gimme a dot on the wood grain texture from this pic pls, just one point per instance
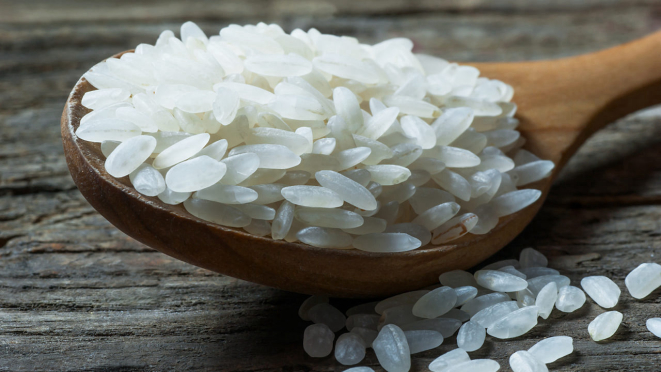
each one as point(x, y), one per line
point(76, 294)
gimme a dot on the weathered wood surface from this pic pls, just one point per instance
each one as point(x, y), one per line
point(76, 294)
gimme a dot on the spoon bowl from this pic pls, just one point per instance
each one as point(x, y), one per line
point(561, 103)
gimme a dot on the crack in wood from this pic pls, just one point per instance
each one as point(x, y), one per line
point(4, 240)
point(18, 190)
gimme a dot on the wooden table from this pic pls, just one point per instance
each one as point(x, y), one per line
point(77, 294)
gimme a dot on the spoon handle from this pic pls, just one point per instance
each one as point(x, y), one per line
point(562, 102)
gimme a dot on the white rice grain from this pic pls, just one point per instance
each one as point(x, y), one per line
point(195, 174)
point(129, 155)
point(324, 238)
point(312, 196)
point(386, 242)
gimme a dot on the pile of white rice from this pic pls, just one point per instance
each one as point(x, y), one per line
point(503, 300)
point(311, 137)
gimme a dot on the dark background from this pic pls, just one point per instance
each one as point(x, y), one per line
point(76, 294)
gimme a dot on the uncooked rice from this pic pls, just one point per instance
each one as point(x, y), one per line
point(341, 141)
point(402, 325)
point(322, 140)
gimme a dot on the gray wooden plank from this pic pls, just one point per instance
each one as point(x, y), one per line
point(77, 294)
point(42, 11)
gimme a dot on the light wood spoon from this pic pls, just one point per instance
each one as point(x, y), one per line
point(561, 103)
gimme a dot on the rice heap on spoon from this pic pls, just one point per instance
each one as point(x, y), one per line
point(311, 137)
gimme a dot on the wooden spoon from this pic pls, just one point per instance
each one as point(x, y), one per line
point(561, 103)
